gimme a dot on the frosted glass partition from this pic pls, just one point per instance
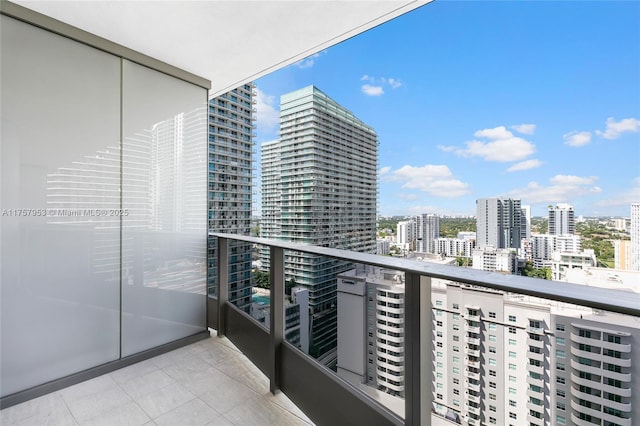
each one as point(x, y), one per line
point(60, 170)
point(164, 193)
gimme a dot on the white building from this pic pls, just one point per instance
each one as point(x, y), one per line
point(428, 229)
point(455, 247)
point(544, 245)
point(382, 247)
point(500, 359)
point(561, 220)
point(525, 222)
point(561, 262)
point(493, 259)
point(406, 234)
point(635, 236)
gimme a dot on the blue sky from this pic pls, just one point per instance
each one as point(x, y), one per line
point(533, 100)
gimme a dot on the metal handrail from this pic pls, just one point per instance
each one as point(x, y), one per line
point(417, 320)
point(619, 301)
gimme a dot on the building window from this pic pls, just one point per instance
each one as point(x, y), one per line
point(492, 326)
point(439, 385)
point(456, 381)
point(492, 349)
point(456, 338)
point(456, 327)
point(439, 344)
point(512, 330)
point(439, 375)
point(512, 403)
point(559, 353)
point(560, 327)
point(456, 360)
point(560, 380)
point(492, 408)
point(456, 316)
point(561, 406)
point(560, 420)
point(512, 367)
point(439, 354)
point(492, 373)
point(560, 340)
point(512, 354)
point(492, 396)
point(456, 306)
point(560, 366)
point(456, 402)
point(456, 370)
point(492, 314)
point(512, 318)
point(438, 302)
point(439, 395)
point(512, 342)
point(513, 416)
point(439, 333)
point(560, 393)
point(456, 349)
point(493, 362)
point(492, 385)
point(492, 420)
point(439, 323)
point(493, 338)
point(513, 391)
point(438, 313)
point(512, 378)
point(439, 364)
point(456, 392)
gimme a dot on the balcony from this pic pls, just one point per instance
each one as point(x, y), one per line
point(209, 381)
point(214, 367)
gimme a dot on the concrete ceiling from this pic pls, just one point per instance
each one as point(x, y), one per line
point(226, 42)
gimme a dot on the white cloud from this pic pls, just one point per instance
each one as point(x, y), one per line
point(577, 138)
point(561, 189)
point(436, 180)
point(525, 129)
point(502, 146)
point(268, 116)
point(525, 165)
point(499, 132)
point(376, 88)
point(623, 198)
point(384, 170)
point(309, 61)
point(615, 129)
point(370, 90)
point(408, 197)
point(446, 148)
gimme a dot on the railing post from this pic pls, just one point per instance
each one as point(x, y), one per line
point(276, 316)
point(417, 350)
point(223, 282)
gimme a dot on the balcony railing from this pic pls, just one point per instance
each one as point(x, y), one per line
point(320, 388)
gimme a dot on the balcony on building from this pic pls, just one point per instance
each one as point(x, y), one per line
point(185, 356)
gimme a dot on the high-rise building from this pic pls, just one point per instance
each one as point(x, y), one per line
point(319, 186)
point(500, 358)
point(231, 123)
point(406, 234)
point(635, 236)
point(498, 223)
point(622, 254)
point(525, 222)
point(428, 230)
point(561, 220)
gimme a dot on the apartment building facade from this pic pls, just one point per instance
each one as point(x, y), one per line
point(320, 187)
point(230, 160)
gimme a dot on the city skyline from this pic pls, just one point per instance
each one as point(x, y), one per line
point(469, 108)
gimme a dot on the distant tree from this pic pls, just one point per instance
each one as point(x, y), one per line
point(531, 271)
point(450, 226)
point(289, 285)
point(463, 261)
point(261, 279)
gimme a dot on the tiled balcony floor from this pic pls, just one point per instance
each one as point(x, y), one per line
point(209, 382)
